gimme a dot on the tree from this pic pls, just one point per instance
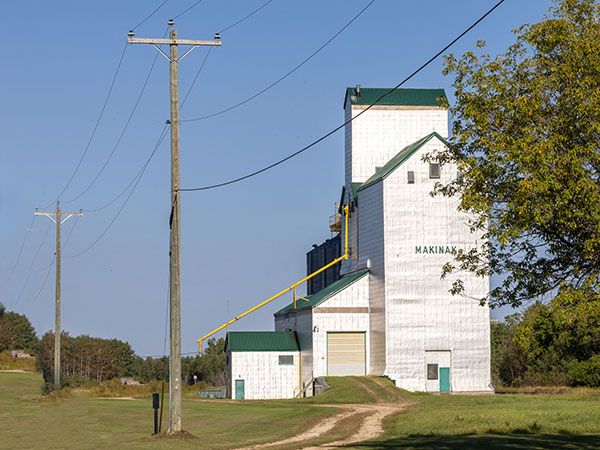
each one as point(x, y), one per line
point(16, 332)
point(210, 366)
point(549, 344)
point(526, 138)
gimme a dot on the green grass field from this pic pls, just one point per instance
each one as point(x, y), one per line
point(83, 422)
point(513, 421)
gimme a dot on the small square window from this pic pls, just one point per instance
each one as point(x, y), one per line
point(286, 360)
point(434, 170)
point(432, 371)
point(411, 177)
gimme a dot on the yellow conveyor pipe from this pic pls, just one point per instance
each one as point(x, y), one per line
point(292, 287)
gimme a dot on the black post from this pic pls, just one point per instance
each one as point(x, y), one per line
point(155, 406)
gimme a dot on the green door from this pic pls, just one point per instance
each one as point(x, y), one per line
point(444, 379)
point(239, 389)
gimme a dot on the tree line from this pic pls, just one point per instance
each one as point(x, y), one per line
point(549, 344)
point(85, 359)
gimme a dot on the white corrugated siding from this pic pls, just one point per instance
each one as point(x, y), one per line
point(371, 242)
point(379, 134)
point(421, 315)
point(263, 377)
point(354, 296)
point(301, 323)
point(346, 354)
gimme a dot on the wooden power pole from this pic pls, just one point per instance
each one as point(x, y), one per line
point(175, 423)
point(57, 217)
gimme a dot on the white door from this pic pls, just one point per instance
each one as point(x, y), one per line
point(346, 354)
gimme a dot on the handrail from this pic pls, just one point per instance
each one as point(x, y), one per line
point(292, 287)
point(304, 385)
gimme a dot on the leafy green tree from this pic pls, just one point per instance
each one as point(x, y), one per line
point(526, 137)
point(549, 344)
point(210, 366)
point(17, 333)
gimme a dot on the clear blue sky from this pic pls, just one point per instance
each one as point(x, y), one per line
point(241, 243)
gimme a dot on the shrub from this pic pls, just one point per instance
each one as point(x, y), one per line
point(585, 373)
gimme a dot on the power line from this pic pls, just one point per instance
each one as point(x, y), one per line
point(187, 9)
point(246, 17)
point(27, 231)
point(139, 98)
point(30, 271)
point(87, 147)
point(139, 177)
point(45, 280)
point(70, 232)
point(196, 77)
point(275, 83)
point(120, 194)
point(136, 179)
point(322, 138)
point(150, 15)
point(65, 244)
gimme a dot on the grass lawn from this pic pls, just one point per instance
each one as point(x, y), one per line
point(513, 421)
point(83, 422)
point(562, 421)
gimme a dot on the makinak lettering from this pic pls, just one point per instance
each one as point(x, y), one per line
point(435, 249)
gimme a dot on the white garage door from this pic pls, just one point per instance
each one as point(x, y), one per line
point(346, 354)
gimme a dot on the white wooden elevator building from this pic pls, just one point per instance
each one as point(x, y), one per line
point(390, 313)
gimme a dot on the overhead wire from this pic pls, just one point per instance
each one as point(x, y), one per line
point(290, 72)
point(89, 142)
point(123, 131)
point(120, 194)
point(139, 177)
point(140, 174)
point(64, 244)
point(103, 109)
point(27, 231)
point(44, 283)
point(245, 17)
point(322, 138)
point(187, 9)
point(49, 266)
point(30, 270)
point(150, 15)
point(196, 77)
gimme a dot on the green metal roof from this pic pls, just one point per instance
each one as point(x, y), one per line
point(325, 293)
point(355, 187)
point(262, 341)
point(402, 156)
point(399, 97)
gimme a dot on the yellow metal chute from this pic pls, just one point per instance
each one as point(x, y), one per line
point(291, 288)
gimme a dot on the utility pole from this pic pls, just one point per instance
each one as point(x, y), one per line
point(175, 247)
point(57, 217)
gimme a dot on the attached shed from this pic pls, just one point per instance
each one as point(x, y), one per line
point(262, 364)
point(332, 329)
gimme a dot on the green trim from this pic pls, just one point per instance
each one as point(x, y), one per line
point(400, 158)
point(399, 97)
point(286, 364)
point(444, 379)
point(429, 377)
point(324, 294)
point(262, 341)
point(239, 389)
point(355, 187)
